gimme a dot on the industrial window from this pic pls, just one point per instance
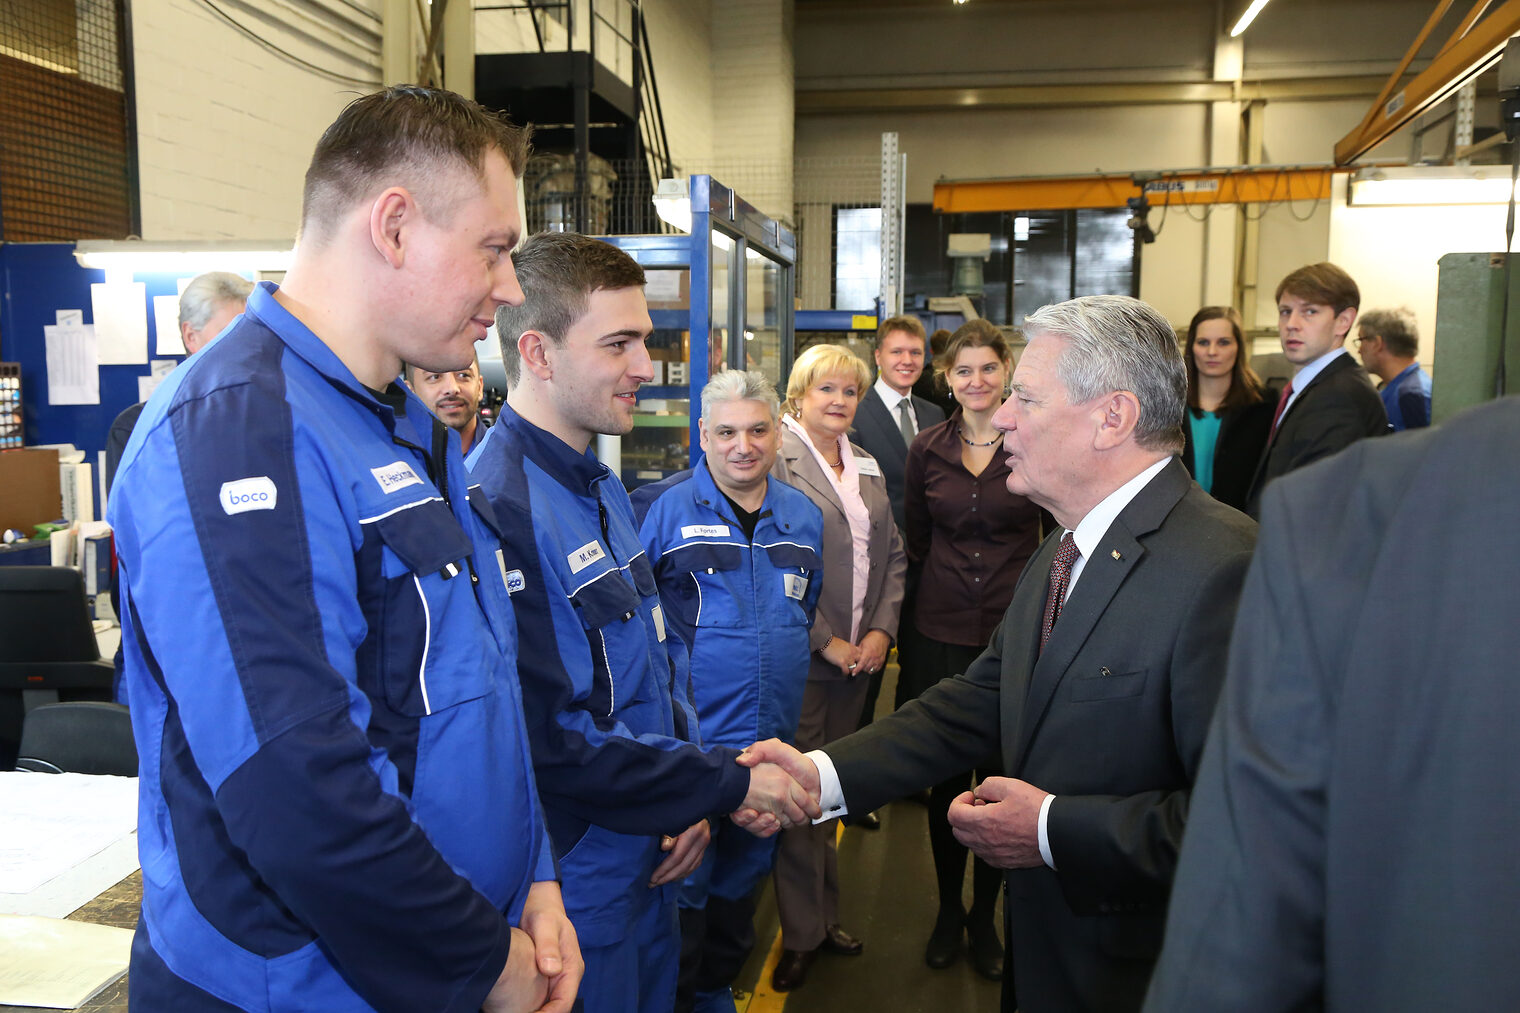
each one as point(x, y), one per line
point(857, 258)
point(1031, 258)
point(67, 148)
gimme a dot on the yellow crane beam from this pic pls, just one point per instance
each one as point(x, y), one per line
point(1477, 42)
point(1246, 185)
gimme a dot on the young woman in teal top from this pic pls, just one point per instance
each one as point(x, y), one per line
point(1229, 416)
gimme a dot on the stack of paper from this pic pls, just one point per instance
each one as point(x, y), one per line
point(57, 964)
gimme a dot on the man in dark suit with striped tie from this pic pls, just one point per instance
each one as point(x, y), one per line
point(1330, 403)
point(890, 414)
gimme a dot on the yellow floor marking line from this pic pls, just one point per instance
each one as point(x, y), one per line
point(764, 999)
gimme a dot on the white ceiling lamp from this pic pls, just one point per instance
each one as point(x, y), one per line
point(1428, 186)
point(1246, 18)
point(673, 204)
point(136, 256)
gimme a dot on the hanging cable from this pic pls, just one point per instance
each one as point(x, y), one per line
point(288, 56)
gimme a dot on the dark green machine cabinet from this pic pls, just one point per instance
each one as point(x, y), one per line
point(1469, 305)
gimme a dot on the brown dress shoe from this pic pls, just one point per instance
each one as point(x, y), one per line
point(837, 940)
point(791, 970)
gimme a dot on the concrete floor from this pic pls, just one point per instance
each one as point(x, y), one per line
point(889, 900)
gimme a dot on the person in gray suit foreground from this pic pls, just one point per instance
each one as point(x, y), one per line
point(1098, 699)
point(1352, 840)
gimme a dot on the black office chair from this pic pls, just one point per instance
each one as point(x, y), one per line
point(85, 737)
point(48, 651)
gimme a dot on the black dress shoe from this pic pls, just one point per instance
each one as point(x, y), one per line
point(791, 970)
point(870, 821)
point(986, 951)
point(837, 940)
point(945, 941)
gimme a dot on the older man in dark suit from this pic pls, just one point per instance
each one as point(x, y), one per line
point(1351, 844)
point(1330, 403)
point(1098, 687)
point(890, 414)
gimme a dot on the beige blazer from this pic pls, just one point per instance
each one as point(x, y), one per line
point(796, 466)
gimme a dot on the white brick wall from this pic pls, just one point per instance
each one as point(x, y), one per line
point(225, 127)
point(680, 41)
point(753, 101)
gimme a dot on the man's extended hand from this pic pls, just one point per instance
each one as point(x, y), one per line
point(556, 950)
point(520, 988)
point(684, 854)
point(1000, 822)
point(783, 788)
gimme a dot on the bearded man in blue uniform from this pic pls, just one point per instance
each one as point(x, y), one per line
point(337, 809)
point(626, 785)
point(737, 555)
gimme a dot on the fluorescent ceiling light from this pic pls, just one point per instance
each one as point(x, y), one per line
point(1428, 186)
point(136, 256)
point(1248, 17)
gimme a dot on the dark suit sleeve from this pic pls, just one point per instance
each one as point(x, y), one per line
point(1339, 421)
point(950, 728)
point(917, 532)
point(1245, 927)
point(1123, 849)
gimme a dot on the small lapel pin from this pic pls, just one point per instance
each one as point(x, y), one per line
point(1116, 554)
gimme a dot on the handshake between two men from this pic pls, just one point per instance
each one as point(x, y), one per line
point(998, 820)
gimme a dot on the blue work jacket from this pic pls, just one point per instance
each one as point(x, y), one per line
point(742, 606)
point(337, 810)
point(605, 687)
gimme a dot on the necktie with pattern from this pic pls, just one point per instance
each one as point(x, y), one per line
point(1060, 579)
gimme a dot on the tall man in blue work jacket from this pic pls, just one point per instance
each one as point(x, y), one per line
point(626, 787)
point(738, 559)
point(337, 810)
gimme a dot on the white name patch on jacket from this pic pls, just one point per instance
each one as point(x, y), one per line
point(868, 466)
point(705, 531)
point(395, 476)
point(249, 494)
point(584, 556)
point(796, 585)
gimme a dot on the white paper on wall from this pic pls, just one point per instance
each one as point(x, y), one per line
point(121, 322)
point(662, 286)
point(166, 326)
point(73, 373)
point(67, 318)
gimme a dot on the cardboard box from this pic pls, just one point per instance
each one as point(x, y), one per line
point(30, 479)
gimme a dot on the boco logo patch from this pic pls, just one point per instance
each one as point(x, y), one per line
point(249, 494)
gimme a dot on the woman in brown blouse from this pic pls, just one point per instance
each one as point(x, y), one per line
point(968, 539)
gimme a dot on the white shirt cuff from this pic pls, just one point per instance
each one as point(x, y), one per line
point(1044, 834)
point(831, 795)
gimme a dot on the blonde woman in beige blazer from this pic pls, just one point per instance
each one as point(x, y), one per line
point(856, 623)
